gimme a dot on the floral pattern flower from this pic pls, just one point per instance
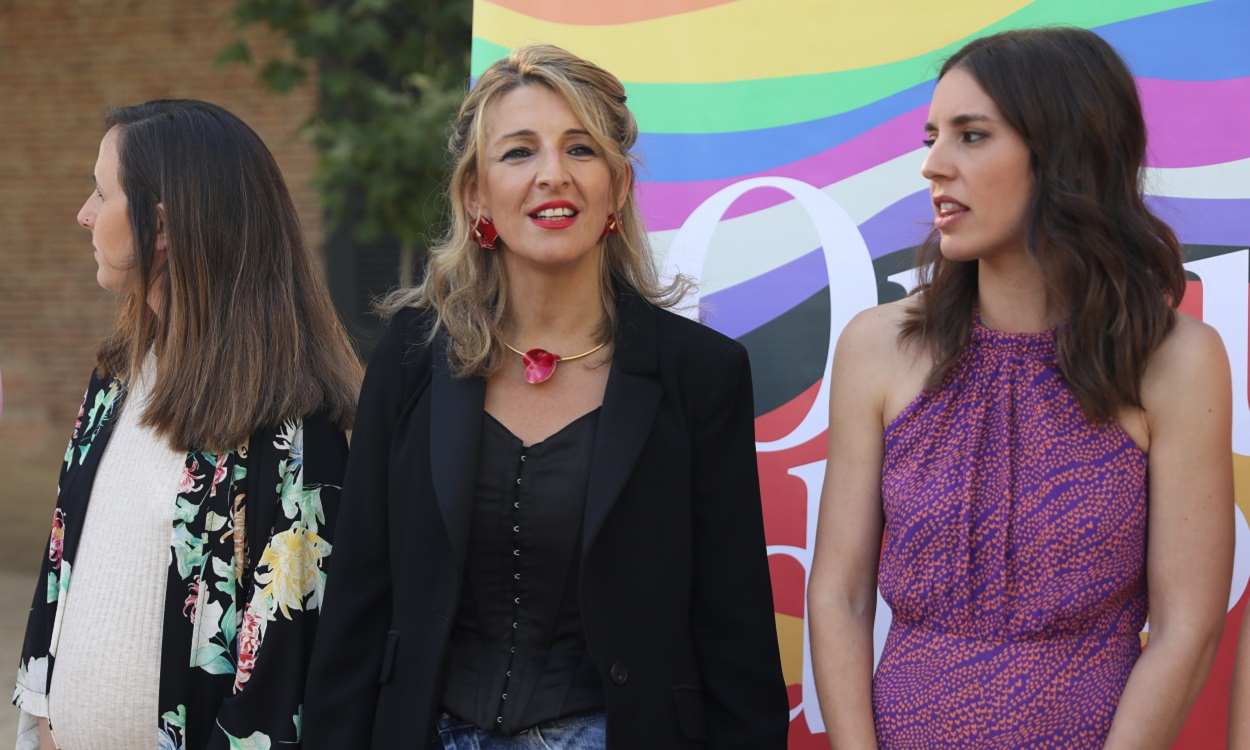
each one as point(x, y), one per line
point(193, 598)
point(187, 482)
point(249, 644)
point(56, 541)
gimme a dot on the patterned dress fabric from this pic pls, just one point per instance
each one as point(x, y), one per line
point(1013, 560)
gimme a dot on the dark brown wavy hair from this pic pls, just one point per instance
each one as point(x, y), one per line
point(1112, 269)
point(248, 337)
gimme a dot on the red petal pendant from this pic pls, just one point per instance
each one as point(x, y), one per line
point(540, 365)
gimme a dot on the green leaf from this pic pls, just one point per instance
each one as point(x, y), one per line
point(282, 75)
point(214, 522)
point(229, 624)
point(237, 51)
point(53, 588)
point(178, 719)
point(254, 741)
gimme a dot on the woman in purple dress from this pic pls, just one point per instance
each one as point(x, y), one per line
point(1033, 451)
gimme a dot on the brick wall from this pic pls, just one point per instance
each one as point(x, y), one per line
point(62, 64)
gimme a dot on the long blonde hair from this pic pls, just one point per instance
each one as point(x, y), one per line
point(465, 285)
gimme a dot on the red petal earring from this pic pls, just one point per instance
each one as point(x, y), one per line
point(485, 233)
point(611, 227)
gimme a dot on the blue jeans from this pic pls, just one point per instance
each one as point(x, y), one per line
point(585, 732)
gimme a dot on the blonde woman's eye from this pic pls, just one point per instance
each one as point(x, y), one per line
point(516, 153)
point(582, 150)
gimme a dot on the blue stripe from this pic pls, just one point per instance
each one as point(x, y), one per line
point(684, 157)
point(1207, 42)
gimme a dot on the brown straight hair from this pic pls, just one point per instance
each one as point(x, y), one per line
point(247, 337)
point(1111, 268)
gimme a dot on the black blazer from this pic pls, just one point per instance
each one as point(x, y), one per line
point(675, 593)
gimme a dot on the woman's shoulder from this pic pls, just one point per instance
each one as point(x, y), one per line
point(405, 339)
point(1190, 358)
point(871, 338)
point(696, 340)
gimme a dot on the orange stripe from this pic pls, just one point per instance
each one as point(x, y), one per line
point(579, 12)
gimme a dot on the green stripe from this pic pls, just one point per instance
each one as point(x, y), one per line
point(770, 102)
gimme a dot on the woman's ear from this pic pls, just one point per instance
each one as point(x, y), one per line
point(472, 198)
point(625, 186)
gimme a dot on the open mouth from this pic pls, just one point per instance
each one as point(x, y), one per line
point(554, 215)
point(947, 212)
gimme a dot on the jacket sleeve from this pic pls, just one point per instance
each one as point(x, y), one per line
point(30, 693)
point(346, 663)
point(733, 624)
point(286, 587)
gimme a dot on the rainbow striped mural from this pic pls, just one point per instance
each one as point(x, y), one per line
point(781, 167)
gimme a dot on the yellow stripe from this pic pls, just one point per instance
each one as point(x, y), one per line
point(1241, 483)
point(752, 39)
point(790, 637)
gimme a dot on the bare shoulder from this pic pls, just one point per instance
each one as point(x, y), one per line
point(1190, 360)
point(871, 337)
point(873, 368)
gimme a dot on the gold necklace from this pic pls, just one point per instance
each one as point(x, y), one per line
point(540, 364)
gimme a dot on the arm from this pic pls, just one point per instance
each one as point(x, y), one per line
point(1186, 394)
point(280, 619)
point(842, 590)
point(734, 628)
point(347, 657)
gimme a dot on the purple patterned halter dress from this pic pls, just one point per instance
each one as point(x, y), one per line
point(1014, 559)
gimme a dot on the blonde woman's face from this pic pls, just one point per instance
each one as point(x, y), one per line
point(543, 182)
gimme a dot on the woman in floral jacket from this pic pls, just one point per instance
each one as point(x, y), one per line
point(178, 599)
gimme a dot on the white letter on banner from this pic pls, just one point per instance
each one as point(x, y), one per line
point(852, 283)
point(852, 288)
point(1225, 296)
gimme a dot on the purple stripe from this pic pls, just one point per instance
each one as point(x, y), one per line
point(1205, 221)
point(667, 204)
point(742, 308)
point(902, 224)
point(1196, 122)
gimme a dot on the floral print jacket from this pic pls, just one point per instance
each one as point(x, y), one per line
point(248, 546)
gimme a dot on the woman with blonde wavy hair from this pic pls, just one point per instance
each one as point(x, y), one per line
point(553, 534)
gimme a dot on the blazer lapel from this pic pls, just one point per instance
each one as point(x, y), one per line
point(455, 429)
point(629, 407)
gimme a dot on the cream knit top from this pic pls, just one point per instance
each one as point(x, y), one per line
point(104, 687)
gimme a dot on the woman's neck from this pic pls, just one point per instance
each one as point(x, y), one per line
point(557, 311)
point(1011, 294)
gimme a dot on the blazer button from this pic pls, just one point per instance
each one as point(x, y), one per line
point(618, 673)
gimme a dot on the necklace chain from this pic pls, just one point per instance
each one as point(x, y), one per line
point(515, 350)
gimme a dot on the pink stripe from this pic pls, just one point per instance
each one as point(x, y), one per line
point(1192, 123)
point(667, 204)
